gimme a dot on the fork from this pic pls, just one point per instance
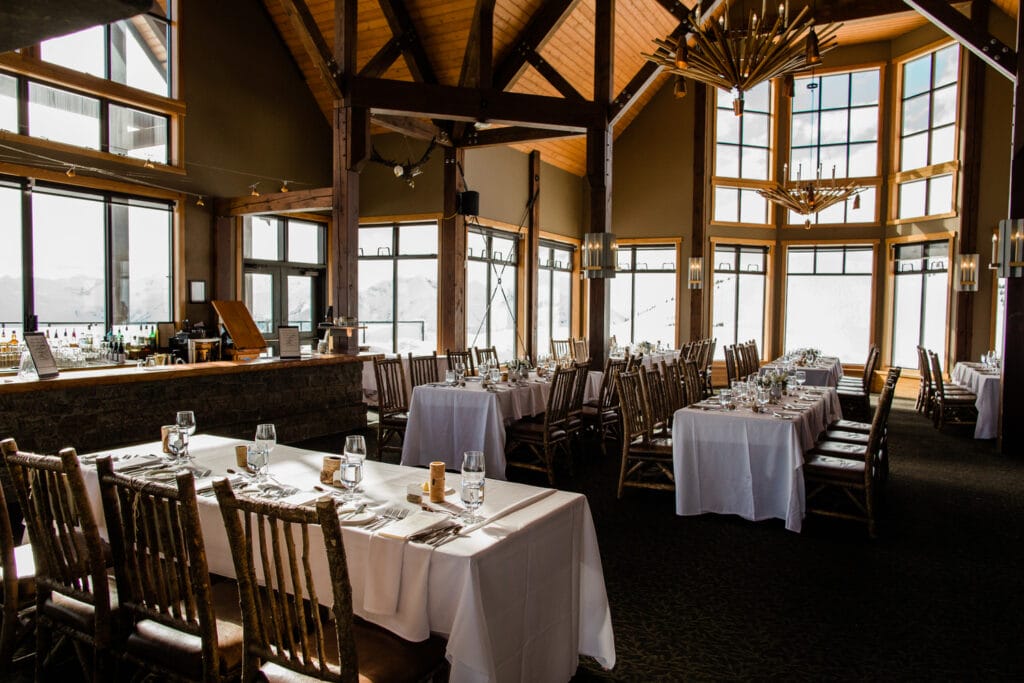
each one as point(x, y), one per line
point(392, 513)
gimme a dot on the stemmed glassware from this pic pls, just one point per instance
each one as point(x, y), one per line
point(801, 377)
point(186, 421)
point(473, 484)
point(352, 465)
point(460, 371)
point(266, 440)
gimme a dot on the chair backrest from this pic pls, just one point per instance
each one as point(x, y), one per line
point(487, 354)
point(877, 431)
point(561, 349)
point(710, 354)
point(654, 395)
point(423, 369)
point(65, 539)
point(465, 356)
point(704, 356)
point(691, 379)
point(940, 387)
point(9, 567)
point(579, 388)
point(282, 621)
point(580, 350)
point(730, 364)
point(631, 404)
point(159, 556)
point(869, 369)
point(560, 397)
point(609, 395)
point(391, 396)
point(635, 362)
point(675, 394)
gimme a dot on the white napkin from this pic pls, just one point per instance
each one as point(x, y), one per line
point(120, 462)
point(386, 559)
point(508, 510)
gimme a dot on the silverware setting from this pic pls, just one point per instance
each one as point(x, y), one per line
point(437, 535)
point(390, 514)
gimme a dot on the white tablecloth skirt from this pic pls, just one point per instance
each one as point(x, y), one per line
point(825, 373)
point(986, 385)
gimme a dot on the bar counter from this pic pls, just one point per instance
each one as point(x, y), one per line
point(102, 408)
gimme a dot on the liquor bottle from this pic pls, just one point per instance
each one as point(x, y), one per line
point(74, 339)
point(13, 344)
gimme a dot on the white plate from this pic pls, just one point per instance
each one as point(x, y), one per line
point(364, 517)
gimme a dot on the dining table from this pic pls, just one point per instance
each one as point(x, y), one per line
point(825, 371)
point(732, 460)
point(518, 597)
point(984, 382)
point(446, 421)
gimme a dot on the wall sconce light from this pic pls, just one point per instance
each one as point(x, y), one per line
point(599, 255)
point(1009, 248)
point(696, 279)
point(968, 272)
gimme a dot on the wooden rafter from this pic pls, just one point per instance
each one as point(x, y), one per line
point(512, 135)
point(544, 21)
point(637, 85)
point(420, 129)
point(382, 59)
point(472, 104)
point(478, 62)
point(970, 34)
point(403, 29)
point(313, 42)
point(552, 76)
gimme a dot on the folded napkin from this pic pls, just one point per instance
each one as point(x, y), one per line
point(130, 464)
point(386, 560)
point(508, 510)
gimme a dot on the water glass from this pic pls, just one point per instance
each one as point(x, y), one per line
point(266, 437)
point(495, 375)
point(460, 371)
point(801, 377)
point(739, 390)
point(258, 460)
point(352, 464)
point(762, 399)
point(724, 397)
point(473, 483)
point(176, 440)
point(186, 421)
point(449, 378)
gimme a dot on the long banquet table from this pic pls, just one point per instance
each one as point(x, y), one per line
point(984, 382)
point(517, 599)
point(748, 464)
point(825, 372)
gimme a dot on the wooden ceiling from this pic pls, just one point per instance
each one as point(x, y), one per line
point(443, 28)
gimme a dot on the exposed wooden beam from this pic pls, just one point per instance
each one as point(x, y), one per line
point(532, 249)
point(313, 43)
point(679, 10)
point(478, 61)
point(383, 59)
point(472, 104)
point(552, 76)
point(543, 22)
point(295, 201)
point(511, 135)
point(451, 278)
point(971, 34)
point(638, 85)
point(404, 30)
point(421, 129)
point(700, 189)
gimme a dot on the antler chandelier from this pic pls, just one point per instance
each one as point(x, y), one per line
point(737, 58)
point(807, 197)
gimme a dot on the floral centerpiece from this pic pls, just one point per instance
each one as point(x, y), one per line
point(518, 369)
point(644, 347)
point(774, 381)
point(808, 356)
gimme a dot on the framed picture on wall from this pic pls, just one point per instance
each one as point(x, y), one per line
point(197, 291)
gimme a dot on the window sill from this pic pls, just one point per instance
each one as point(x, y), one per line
point(33, 145)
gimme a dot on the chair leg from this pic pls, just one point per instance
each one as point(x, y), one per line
point(622, 473)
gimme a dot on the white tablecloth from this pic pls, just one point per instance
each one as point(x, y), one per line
point(984, 383)
point(747, 464)
point(518, 599)
point(826, 372)
point(370, 379)
point(655, 358)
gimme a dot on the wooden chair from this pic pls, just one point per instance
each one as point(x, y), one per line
point(634, 362)
point(163, 583)
point(18, 572)
point(423, 370)
point(731, 374)
point(646, 459)
point(863, 382)
point(561, 349)
point(675, 392)
point(581, 350)
point(705, 369)
point(73, 596)
point(465, 356)
point(924, 389)
point(691, 380)
point(285, 628)
point(602, 415)
point(856, 400)
point(392, 404)
point(488, 355)
point(574, 422)
point(535, 445)
point(953, 407)
point(854, 432)
point(656, 399)
point(841, 478)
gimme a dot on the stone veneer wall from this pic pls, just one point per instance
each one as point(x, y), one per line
point(303, 401)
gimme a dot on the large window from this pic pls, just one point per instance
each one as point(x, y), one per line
point(828, 299)
point(928, 113)
point(1000, 316)
point(643, 295)
point(132, 51)
point(742, 154)
point(554, 294)
point(283, 266)
point(739, 295)
point(921, 297)
point(82, 261)
point(398, 286)
point(491, 274)
point(834, 133)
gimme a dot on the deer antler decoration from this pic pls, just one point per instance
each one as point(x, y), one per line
point(410, 169)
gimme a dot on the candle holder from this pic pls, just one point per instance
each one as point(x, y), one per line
point(968, 267)
point(1009, 247)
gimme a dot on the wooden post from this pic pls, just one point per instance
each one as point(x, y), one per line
point(599, 172)
point(451, 260)
point(531, 261)
point(1012, 406)
point(700, 94)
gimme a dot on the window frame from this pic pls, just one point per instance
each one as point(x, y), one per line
point(890, 302)
point(767, 347)
point(396, 257)
point(548, 241)
point(675, 243)
point(491, 229)
point(926, 173)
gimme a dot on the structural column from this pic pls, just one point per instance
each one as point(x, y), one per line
point(531, 261)
point(451, 258)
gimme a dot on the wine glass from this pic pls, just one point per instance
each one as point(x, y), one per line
point(186, 421)
point(801, 377)
point(460, 371)
point(352, 464)
point(472, 486)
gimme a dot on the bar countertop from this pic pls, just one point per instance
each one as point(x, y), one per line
point(112, 375)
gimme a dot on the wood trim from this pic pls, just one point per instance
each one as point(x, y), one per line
point(768, 346)
point(89, 182)
point(63, 148)
point(400, 218)
point(555, 237)
point(180, 298)
point(317, 199)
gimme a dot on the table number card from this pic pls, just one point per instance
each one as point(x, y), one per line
point(46, 366)
point(288, 338)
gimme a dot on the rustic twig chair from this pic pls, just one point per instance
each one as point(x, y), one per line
point(561, 349)
point(392, 403)
point(488, 355)
point(602, 415)
point(646, 459)
point(466, 357)
point(423, 370)
point(19, 585)
point(534, 445)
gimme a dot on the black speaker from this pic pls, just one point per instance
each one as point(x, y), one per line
point(468, 203)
